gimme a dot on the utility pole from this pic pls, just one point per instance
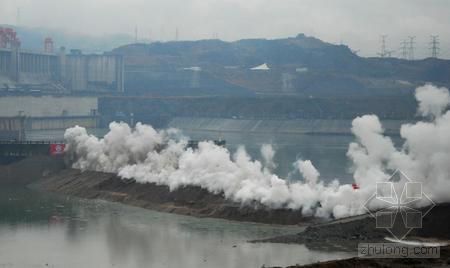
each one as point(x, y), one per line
point(404, 48)
point(411, 47)
point(434, 46)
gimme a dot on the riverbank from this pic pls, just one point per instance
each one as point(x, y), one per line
point(338, 235)
point(347, 233)
point(30, 169)
point(188, 200)
point(443, 261)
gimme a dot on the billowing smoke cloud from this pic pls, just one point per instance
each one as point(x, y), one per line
point(424, 156)
point(161, 157)
point(268, 153)
point(432, 100)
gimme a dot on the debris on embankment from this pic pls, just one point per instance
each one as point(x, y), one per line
point(347, 233)
point(188, 200)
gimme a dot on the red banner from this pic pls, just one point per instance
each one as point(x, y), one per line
point(57, 148)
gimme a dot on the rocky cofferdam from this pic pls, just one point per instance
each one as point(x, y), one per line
point(187, 200)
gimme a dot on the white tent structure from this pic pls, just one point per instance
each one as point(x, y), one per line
point(262, 67)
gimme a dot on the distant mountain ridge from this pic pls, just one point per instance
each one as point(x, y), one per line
point(298, 65)
point(245, 53)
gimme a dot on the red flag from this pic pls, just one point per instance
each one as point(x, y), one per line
point(57, 148)
point(355, 186)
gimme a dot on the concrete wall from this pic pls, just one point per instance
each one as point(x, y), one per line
point(39, 63)
point(77, 72)
point(21, 113)
point(47, 106)
point(5, 61)
point(94, 72)
point(11, 123)
point(29, 67)
point(46, 123)
point(298, 126)
point(12, 128)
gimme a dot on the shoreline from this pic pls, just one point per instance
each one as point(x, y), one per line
point(343, 234)
point(187, 200)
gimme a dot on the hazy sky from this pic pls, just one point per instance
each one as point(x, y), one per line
point(357, 23)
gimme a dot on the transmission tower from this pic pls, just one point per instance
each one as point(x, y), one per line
point(404, 49)
point(383, 52)
point(434, 46)
point(411, 43)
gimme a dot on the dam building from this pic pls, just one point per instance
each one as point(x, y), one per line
point(24, 70)
point(41, 92)
point(45, 117)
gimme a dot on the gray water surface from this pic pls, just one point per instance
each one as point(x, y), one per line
point(328, 153)
point(43, 230)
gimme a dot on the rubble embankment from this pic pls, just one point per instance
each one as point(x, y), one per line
point(187, 200)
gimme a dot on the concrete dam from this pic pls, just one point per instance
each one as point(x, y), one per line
point(47, 90)
point(34, 71)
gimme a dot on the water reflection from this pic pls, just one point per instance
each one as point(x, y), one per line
point(42, 230)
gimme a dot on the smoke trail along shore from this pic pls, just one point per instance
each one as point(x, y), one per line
point(160, 157)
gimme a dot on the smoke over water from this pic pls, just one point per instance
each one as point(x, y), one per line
point(161, 157)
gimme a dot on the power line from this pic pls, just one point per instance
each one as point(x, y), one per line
point(434, 46)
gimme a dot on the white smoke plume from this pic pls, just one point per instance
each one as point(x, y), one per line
point(424, 156)
point(432, 100)
point(151, 156)
point(268, 153)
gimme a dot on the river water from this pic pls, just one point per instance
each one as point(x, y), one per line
point(327, 152)
point(45, 230)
